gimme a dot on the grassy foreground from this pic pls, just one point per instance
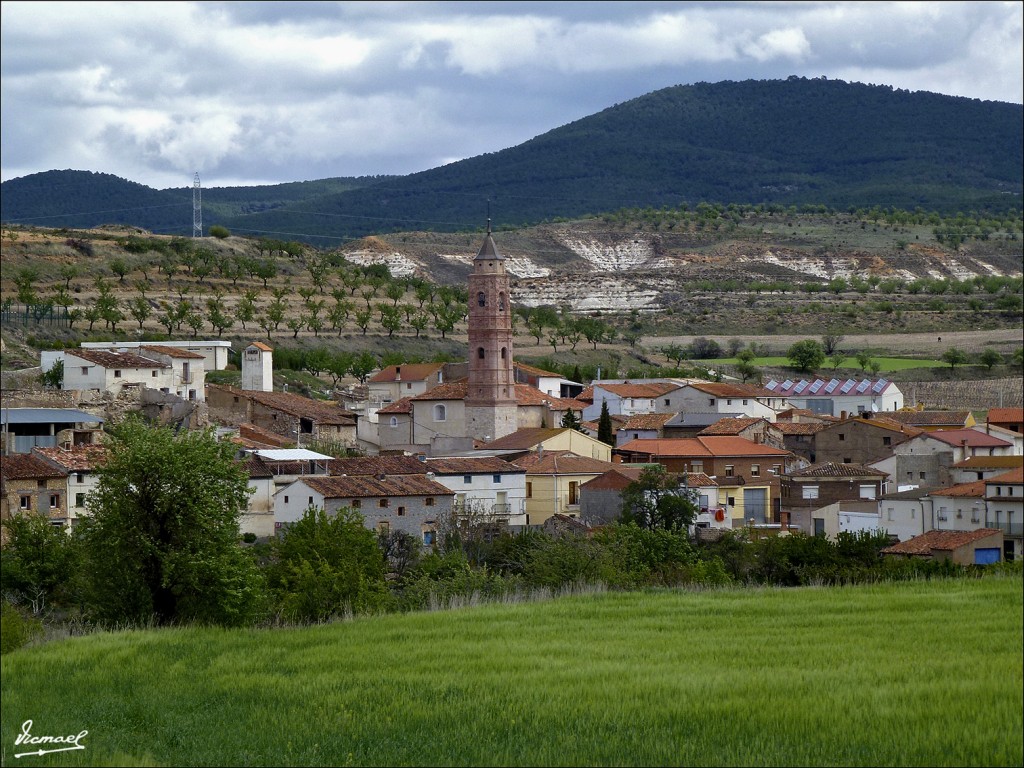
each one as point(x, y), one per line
point(925, 673)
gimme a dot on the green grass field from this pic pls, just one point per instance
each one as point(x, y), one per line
point(924, 673)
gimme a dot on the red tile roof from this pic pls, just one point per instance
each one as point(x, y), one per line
point(835, 469)
point(399, 406)
point(25, 466)
point(990, 462)
point(943, 541)
point(114, 359)
point(1005, 415)
point(453, 390)
point(411, 372)
point(641, 390)
point(377, 465)
point(647, 421)
point(729, 426)
point(319, 411)
point(79, 458)
point(930, 418)
point(614, 479)
point(178, 352)
point(971, 437)
point(363, 486)
point(974, 489)
point(538, 371)
point(701, 446)
point(260, 345)
point(470, 465)
point(799, 427)
point(1008, 478)
point(562, 463)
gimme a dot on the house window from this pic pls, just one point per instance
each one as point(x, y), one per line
point(711, 401)
point(25, 502)
point(235, 399)
point(744, 402)
point(80, 477)
point(439, 413)
point(429, 501)
point(867, 491)
point(153, 374)
point(85, 370)
point(697, 466)
point(54, 500)
point(730, 470)
point(310, 501)
point(777, 469)
point(755, 470)
point(356, 503)
point(117, 374)
point(383, 503)
point(847, 460)
point(529, 490)
point(890, 510)
point(809, 492)
point(383, 527)
point(401, 511)
point(496, 478)
point(667, 401)
point(393, 421)
point(842, 437)
point(922, 475)
point(730, 500)
point(467, 478)
point(886, 440)
point(79, 499)
point(408, 385)
point(428, 538)
point(729, 401)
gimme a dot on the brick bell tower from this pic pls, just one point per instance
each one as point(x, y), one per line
point(491, 410)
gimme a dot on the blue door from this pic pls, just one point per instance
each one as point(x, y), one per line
point(986, 555)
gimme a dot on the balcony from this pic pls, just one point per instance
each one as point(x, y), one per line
point(1010, 530)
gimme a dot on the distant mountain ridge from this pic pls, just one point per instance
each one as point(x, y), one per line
point(776, 142)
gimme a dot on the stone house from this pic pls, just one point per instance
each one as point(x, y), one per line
point(798, 437)
point(22, 429)
point(109, 371)
point(408, 380)
point(979, 547)
point(756, 429)
point(860, 439)
point(932, 421)
point(31, 485)
point(80, 464)
point(925, 460)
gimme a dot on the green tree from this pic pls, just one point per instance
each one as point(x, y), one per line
point(571, 421)
point(219, 232)
point(807, 355)
point(605, 432)
point(990, 358)
point(954, 357)
point(327, 565)
point(53, 378)
point(162, 542)
point(658, 500)
point(38, 562)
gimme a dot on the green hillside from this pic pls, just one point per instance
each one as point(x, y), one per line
point(780, 142)
point(915, 673)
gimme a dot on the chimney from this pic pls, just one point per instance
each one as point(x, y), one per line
point(398, 373)
point(540, 451)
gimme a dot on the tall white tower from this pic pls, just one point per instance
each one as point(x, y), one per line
point(197, 208)
point(258, 368)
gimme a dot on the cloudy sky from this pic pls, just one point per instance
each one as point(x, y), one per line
point(268, 92)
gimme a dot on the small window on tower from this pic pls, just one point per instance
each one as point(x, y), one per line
point(481, 299)
point(480, 352)
point(504, 353)
point(501, 302)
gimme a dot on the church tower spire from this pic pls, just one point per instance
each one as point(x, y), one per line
point(491, 410)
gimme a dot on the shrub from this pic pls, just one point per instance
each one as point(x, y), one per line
point(16, 629)
point(219, 232)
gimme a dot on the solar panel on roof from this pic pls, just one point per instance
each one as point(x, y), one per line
point(831, 386)
point(879, 386)
point(863, 386)
point(787, 384)
point(800, 387)
point(818, 384)
point(847, 386)
point(771, 384)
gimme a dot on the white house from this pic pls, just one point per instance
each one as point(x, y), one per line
point(258, 518)
point(215, 353)
point(727, 399)
point(627, 398)
point(114, 371)
point(489, 487)
point(835, 397)
point(188, 369)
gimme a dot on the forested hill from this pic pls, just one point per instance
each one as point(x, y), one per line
point(782, 142)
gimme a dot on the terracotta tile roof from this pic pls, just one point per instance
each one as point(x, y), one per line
point(633, 390)
point(469, 465)
point(974, 489)
point(729, 426)
point(701, 446)
point(260, 345)
point(990, 462)
point(25, 466)
point(399, 406)
point(537, 371)
point(879, 422)
point(971, 437)
point(587, 395)
point(363, 486)
point(789, 413)
point(527, 395)
point(377, 465)
point(799, 427)
point(115, 359)
point(835, 469)
point(319, 411)
point(614, 479)
point(647, 421)
point(1005, 415)
point(525, 439)
point(257, 468)
point(562, 463)
point(258, 435)
point(699, 480)
point(410, 372)
point(178, 352)
point(453, 390)
point(78, 458)
point(930, 418)
point(943, 541)
point(1008, 478)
